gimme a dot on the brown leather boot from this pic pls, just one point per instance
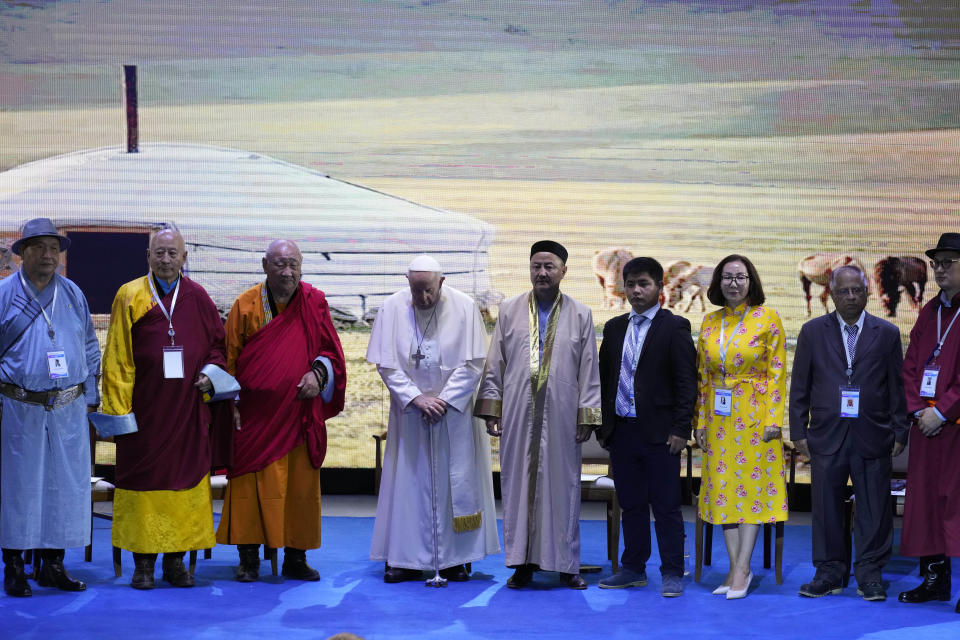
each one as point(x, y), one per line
point(52, 573)
point(14, 577)
point(295, 565)
point(144, 565)
point(175, 572)
point(249, 569)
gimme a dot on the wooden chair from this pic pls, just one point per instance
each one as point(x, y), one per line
point(598, 487)
point(379, 439)
point(218, 488)
point(687, 479)
point(703, 534)
point(101, 490)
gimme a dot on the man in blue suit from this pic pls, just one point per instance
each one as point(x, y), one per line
point(648, 379)
point(848, 414)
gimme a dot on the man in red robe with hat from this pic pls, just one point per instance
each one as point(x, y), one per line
point(286, 355)
point(931, 376)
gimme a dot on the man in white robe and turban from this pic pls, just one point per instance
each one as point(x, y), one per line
point(435, 509)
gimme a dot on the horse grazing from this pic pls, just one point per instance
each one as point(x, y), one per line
point(694, 278)
point(894, 272)
point(816, 269)
point(608, 268)
point(670, 271)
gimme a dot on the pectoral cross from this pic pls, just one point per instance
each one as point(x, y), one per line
point(418, 357)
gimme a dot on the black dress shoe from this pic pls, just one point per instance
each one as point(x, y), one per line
point(295, 566)
point(144, 565)
point(249, 569)
point(957, 608)
point(394, 575)
point(935, 585)
point(573, 580)
point(53, 574)
point(455, 574)
point(521, 577)
point(872, 592)
point(819, 588)
point(175, 572)
point(14, 577)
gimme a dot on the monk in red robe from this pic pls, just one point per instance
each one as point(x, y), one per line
point(931, 376)
point(286, 355)
point(164, 351)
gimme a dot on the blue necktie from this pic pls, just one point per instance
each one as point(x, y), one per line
point(624, 403)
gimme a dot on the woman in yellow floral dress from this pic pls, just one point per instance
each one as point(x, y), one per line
point(741, 359)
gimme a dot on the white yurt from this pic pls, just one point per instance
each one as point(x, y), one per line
point(229, 204)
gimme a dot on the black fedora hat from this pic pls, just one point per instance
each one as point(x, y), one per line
point(38, 228)
point(947, 242)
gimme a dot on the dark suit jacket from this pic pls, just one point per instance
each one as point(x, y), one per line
point(818, 373)
point(665, 382)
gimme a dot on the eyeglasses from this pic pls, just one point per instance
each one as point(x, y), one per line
point(945, 263)
point(846, 291)
point(739, 278)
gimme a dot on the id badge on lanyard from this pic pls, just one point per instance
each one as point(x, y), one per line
point(173, 362)
point(849, 401)
point(723, 397)
point(722, 402)
point(928, 383)
point(57, 364)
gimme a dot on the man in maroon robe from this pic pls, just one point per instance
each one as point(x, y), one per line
point(285, 352)
point(931, 374)
point(164, 351)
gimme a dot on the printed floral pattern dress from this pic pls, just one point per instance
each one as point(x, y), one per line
point(742, 476)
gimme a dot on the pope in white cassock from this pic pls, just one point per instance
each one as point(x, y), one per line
point(428, 343)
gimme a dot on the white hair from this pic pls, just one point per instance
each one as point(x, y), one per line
point(851, 267)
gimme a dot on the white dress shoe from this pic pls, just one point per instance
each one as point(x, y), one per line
point(736, 594)
point(722, 589)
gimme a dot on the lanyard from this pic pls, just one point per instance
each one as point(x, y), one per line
point(173, 303)
point(943, 337)
point(726, 346)
point(53, 304)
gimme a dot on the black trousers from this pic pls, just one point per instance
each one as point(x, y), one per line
point(647, 477)
point(873, 515)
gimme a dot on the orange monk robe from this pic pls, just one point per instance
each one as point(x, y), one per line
point(278, 505)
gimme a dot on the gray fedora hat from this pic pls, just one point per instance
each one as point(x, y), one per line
point(37, 228)
point(947, 242)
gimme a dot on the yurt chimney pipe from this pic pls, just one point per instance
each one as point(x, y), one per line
point(130, 91)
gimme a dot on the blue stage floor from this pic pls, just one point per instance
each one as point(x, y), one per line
point(352, 596)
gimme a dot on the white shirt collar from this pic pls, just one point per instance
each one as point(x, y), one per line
point(859, 322)
point(648, 314)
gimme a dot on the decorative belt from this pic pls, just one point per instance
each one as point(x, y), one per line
point(49, 400)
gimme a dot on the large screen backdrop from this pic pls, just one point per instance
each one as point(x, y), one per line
point(801, 134)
